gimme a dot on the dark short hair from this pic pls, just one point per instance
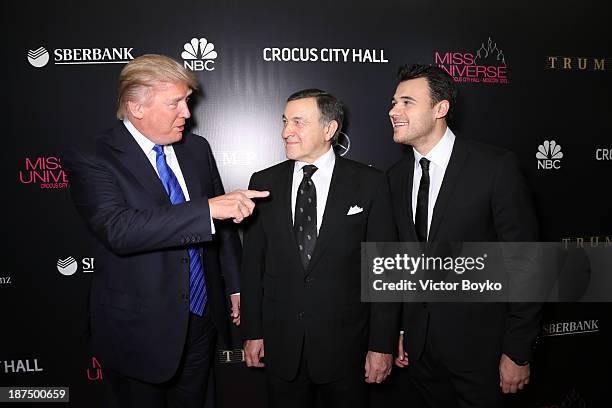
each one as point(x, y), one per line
point(441, 84)
point(329, 106)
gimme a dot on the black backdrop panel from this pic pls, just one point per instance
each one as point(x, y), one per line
point(551, 83)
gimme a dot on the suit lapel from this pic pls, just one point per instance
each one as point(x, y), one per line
point(134, 159)
point(189, 168)
point(282, 210)
point(341, 191)
point(457, 160)
point(404, 198)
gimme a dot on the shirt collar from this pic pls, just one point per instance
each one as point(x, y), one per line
point(145, 144)
point(325, 163)
point(441, 153)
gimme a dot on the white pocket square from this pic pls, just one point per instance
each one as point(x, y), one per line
point(355, 209)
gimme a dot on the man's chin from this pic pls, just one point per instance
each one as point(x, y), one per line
point(290, 153)
point(398, 138)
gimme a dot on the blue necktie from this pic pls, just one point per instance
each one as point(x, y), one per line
point(197, 287)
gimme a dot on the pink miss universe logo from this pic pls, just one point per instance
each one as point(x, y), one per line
point(487, 65)
point(95, 373)
point(45, 171)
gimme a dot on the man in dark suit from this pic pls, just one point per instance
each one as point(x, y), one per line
point(149, 194)
point(452, 190)
point(301, 267)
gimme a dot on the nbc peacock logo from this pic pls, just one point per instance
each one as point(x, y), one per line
point(549, 155)
point(39, 57)
point(199, 55)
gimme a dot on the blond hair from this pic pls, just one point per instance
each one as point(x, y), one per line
point(142, 74)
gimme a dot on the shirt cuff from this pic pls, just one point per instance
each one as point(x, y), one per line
point(212, 226)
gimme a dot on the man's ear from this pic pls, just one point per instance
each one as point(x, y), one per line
point(330, 130)
point(135, 109)
point(442, 109)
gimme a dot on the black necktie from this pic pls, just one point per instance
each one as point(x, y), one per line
point(305, 223)
point(420, 216)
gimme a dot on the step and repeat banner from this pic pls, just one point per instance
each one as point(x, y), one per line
point(533, 77)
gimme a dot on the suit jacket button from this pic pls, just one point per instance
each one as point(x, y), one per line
point(424, 305)
point(308, 279)
point(300, 315)
point(184, 260)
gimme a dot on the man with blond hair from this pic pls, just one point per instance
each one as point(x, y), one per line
point(149, 192)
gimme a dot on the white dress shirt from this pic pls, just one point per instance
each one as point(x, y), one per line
point(439, 157)
point(321, 179)
point(147, 147)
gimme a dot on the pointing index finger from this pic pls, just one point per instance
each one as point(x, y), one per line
point(256, 194)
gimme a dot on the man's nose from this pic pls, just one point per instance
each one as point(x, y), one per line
point(185, 111)
point(287, 131)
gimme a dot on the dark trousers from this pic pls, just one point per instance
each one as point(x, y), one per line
point(187, 389)
point(441, 386)
point(350, 391)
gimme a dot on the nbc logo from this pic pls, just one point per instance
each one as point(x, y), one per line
point(39, 57)
point(549, 155)
point(67, 266)
point(199, 55)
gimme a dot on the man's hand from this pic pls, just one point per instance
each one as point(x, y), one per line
point(512, 377)
point(254, 352)
point(402, 357)
point(377, 366)
point(236, 205)
point(235, 299)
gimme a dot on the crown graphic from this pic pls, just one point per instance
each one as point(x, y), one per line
point(491, 50)
point(549, 150)
point(199, 49)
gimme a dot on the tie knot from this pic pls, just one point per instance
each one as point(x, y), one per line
point(158, 149)
point(309, 170)
point(424, 164)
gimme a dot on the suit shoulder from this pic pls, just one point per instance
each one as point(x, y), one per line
point(398, 168)
point(361, 168)
point(484, 150)
point(89, 147)
point(488, 159)
point(272, 171)
point(196, 141)
point(269, 174)
point(369, 175)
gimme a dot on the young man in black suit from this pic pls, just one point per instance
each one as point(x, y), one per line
point(448, 189)
point(301, 304)
point(149, 192)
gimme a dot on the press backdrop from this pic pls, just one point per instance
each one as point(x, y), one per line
point(532, 76)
